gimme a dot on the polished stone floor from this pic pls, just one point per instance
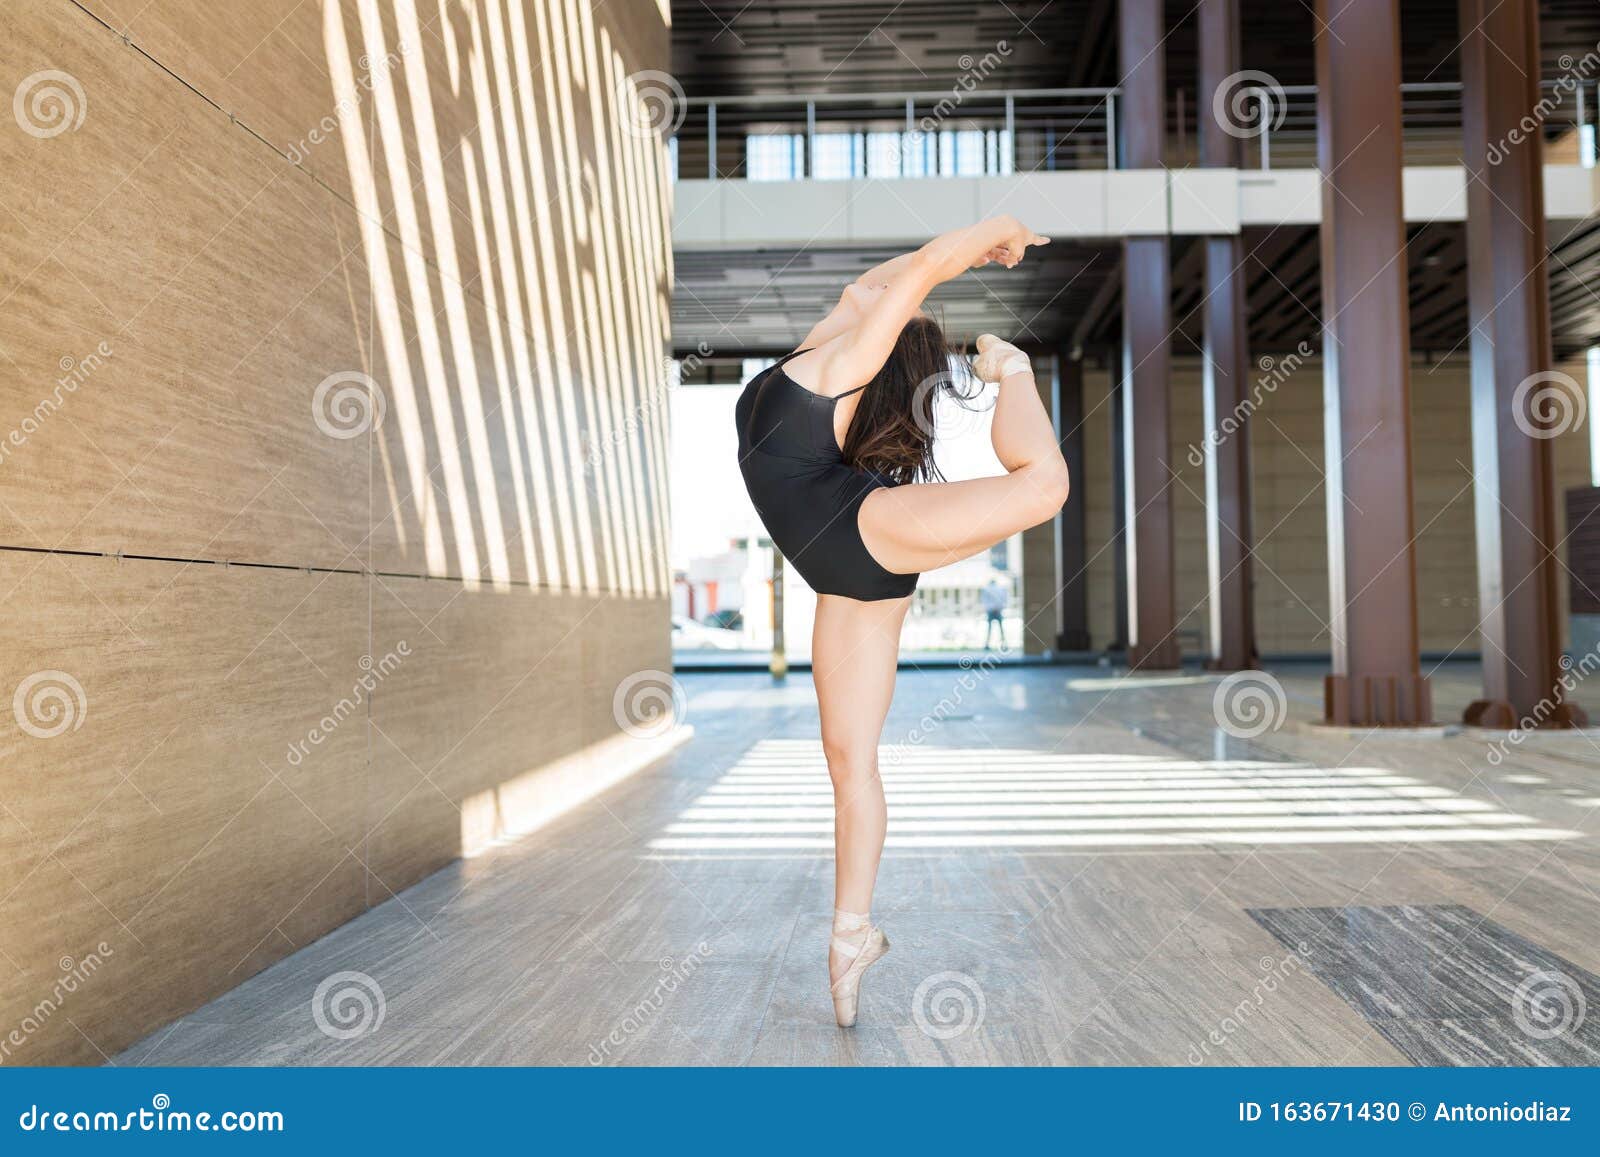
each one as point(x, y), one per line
point(1083, 869)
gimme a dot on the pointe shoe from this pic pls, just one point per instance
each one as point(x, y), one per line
point(862, 954)
point(999, 359)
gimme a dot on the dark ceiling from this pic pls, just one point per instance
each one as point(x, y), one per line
point(765, 301)
point(725, 47)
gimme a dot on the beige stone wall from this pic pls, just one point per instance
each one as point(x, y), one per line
point(1290, 512)
point(331, 468)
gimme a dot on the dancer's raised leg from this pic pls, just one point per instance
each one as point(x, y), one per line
point(929, 525)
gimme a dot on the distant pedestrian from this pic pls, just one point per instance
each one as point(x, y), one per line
point(996, 595)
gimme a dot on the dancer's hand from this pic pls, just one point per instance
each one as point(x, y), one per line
point(1013, 246)
point(1011, 251)
point(998, 359)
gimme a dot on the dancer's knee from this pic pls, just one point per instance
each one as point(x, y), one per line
point(850, 761)
point(1049, 485)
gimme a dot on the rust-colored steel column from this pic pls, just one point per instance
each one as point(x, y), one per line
point(1072, 538)
point(1119, 503)
point(1227, 367)
point(1508, 301)
point(1146, 338)
point(1366, 347)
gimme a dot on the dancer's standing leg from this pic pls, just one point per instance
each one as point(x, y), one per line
point(854, 648)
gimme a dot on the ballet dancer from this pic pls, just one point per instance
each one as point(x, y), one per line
point(836, 449)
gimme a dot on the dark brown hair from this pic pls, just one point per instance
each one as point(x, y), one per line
point(891, 431)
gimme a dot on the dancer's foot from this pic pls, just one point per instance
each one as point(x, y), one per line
point(857, 945)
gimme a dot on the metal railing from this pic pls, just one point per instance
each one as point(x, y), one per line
point(897, 134)
point(952, 133)
point(1430, 118)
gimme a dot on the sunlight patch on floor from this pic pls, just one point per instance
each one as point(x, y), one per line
point(777, 797)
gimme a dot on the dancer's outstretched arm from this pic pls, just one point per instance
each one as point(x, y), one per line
point(860, 294)
point(852, 343)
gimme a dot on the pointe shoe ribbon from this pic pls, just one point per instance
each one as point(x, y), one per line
point(999, 359)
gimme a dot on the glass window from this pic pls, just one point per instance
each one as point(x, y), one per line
point(968, 153)
point(884, 153)
point(919, 153)
point(774, 156)
point(838, 156)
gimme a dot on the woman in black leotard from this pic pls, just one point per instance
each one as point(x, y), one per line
point(836, 448)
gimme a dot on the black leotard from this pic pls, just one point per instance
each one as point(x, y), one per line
point(806, 496)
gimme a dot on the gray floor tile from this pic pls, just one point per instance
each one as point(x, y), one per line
point(1463, 989)
point(1488, 1041)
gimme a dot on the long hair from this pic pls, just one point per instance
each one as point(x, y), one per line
point(891, 431)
